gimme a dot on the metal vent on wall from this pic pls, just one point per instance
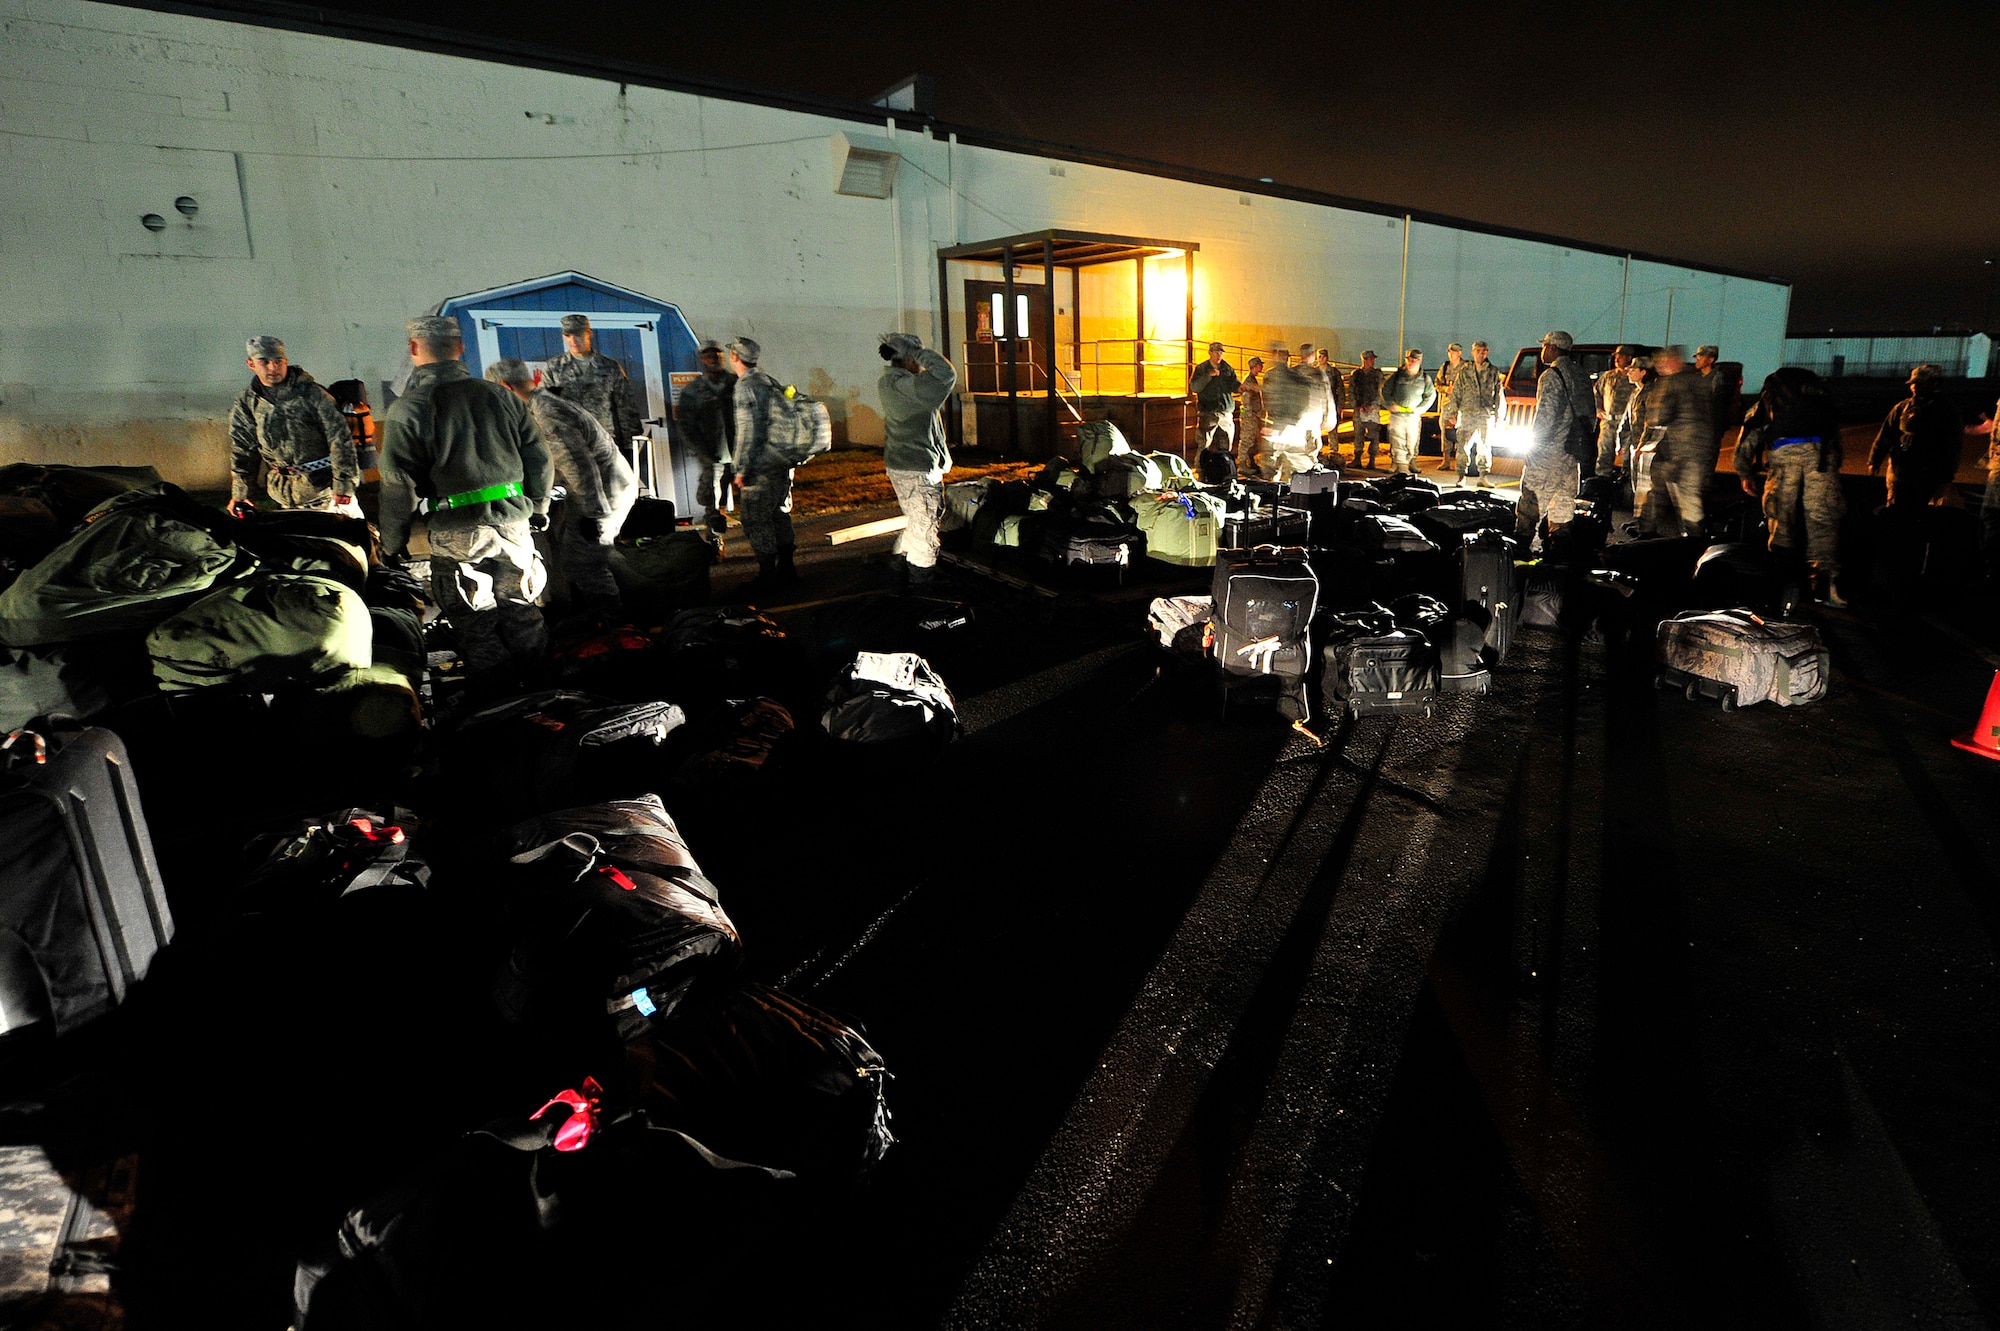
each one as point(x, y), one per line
point(865, 168)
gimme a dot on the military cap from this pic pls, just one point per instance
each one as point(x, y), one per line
point(1366, 354)
point(1927, 372)
point(264, 347)
point(1279, 350)
point(575, 323)
point(746, 349)
point(708, 344)
point(1708, 349)
point(434, 328)
point(1256, 362)
point(1454, 347)
point(510, 370)
point(1558, 339)
point(905, 345)
point(1217, 346)
point(1641, 363)
point(1305, 350)
point(1418, 352)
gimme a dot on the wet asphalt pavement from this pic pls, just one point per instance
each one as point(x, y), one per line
point(1580, 1004)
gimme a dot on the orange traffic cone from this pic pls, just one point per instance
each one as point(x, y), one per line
point(1984, 738)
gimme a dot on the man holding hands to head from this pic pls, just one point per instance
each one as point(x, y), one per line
point(914, 385)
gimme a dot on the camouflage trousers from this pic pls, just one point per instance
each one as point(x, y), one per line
point(1912, 485)
point(1802, 500)
point(1607, 446)
point(1367, 427)
point(479, 578)
point(1475, 444)
point(710, 487)
point(1548, 490)
point(1285, 451)
point(1684, 482)
point(764, 507)
point(922, 500)
point(1406, 428)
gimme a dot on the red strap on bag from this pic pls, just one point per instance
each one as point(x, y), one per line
point(575, 1132)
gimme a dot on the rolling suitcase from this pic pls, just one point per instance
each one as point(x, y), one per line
point(82, 911)
point(1326, 480)
point(1742, 660)
point(1264, 600)
point(1462, 653)
point(1486, 579)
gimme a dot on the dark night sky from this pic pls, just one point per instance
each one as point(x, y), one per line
point(1854, 150)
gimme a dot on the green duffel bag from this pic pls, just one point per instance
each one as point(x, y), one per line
point(273, 631)
point(141, 556)
point(1183, 529)
point(1126, 475)
point(660, 575)
point(1175, 474)
point(372, 704)
point(1098, 440)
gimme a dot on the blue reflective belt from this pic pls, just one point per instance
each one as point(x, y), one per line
point(1795, 439)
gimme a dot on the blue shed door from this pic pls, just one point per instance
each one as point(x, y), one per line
point(534, 336)
point(537, 346)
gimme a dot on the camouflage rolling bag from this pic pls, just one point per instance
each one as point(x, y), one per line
point(1741, 659)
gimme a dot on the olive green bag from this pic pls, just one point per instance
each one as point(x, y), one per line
point(273, 631)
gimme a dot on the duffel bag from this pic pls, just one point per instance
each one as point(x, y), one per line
point(272, 631)
point(890, 699)
point(1742, 659)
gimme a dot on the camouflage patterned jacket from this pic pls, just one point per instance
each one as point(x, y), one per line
point(707, 416)
point(1254, 418)
point(1291, 399)
point(274, 432)
point(599, 385)
point(1565, 410)
point(1614, 390)
point(1681, 404)
point(1475, 392)
point(754, 405)
point(597, 478)
point(1446, 379)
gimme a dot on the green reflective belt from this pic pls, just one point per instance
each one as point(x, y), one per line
point(504, 490)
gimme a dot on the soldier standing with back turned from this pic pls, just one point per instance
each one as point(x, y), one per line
point(471, 449)
point(763, 480)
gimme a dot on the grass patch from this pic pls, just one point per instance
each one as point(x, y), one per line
point(852, 478)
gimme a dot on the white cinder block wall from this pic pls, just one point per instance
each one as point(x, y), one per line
point(342, 186)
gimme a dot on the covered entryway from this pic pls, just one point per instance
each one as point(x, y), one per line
point(1030, 387)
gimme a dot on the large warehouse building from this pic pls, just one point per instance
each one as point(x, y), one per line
point(177, 181)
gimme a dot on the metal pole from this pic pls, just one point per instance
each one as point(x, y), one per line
point(954, 416)
point(1076, 327)
point(951, 183)
point(1624, 291)
point(896, 239)
point(1668, 340)
point(1007, 327)
point(1403, 295)
point(1139, 327)
point(1049, 338)
point(1187, 370)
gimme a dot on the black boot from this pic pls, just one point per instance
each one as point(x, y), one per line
point(921, 579)
point(900, 575)
point(766, 580)
point(787, 574)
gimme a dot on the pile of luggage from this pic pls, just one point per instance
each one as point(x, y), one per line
point(476, 997)
point(1398, 591)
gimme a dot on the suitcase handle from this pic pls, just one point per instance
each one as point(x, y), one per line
point(40, 747)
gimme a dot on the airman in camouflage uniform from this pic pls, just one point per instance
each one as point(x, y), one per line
point(1919, 442)
point(1250, 428)
point(1793, 435)
point(598, 486)
point(1446, 379)
point(1409, 394)
point(289, 429)
point(1614, 390)
point(1686, 456)
point(1291, 400)
point(593, 381)
point(1365, 389)
point(707, 415)
point(1476, 404)
point(1549, 472)
point(763, 481)
point(1325, 412)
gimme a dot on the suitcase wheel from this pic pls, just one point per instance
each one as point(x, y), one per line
point(1729, 700)
point(1660, 681)
point(1690, 692)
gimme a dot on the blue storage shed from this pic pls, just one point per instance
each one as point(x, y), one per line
point(645, 334)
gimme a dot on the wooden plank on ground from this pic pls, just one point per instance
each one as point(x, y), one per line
point(885, 527)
